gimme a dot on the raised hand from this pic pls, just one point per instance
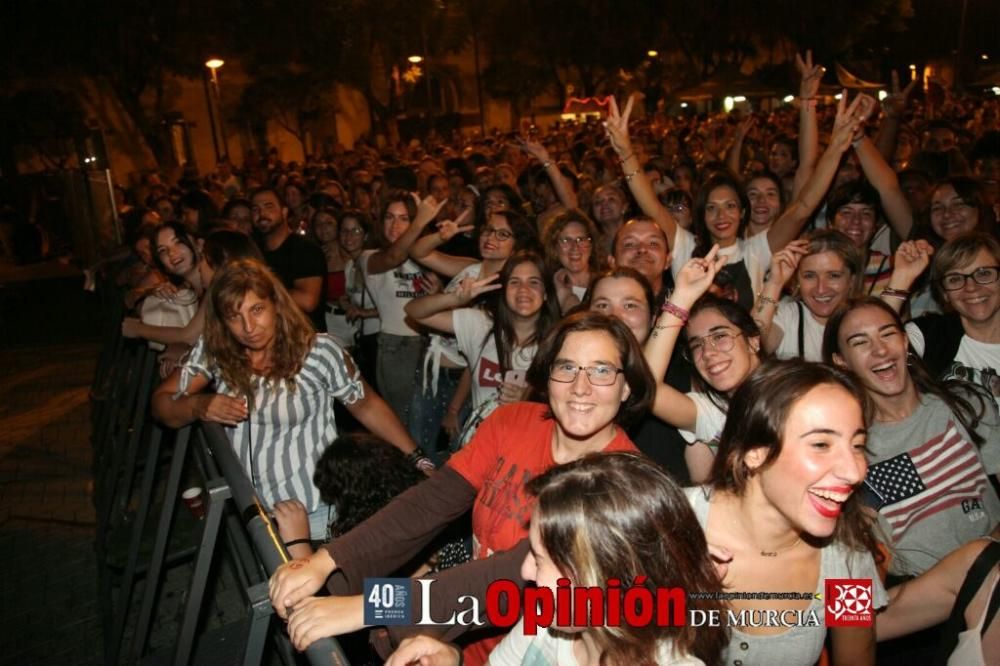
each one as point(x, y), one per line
point(895, 103)
point(912, 258)
point(811, 75)
point(746, 127)
point(534, 149)
point(448, 229)
point(470, 287)
point(785, 261)
point(617, 127)
point(427, 209)
point(696, 276)
point(850, 119)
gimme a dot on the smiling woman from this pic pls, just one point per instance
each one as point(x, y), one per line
point(927, 509)
point(782, 500)
point(591, 377)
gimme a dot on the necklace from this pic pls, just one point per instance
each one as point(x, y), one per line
point(775, 553)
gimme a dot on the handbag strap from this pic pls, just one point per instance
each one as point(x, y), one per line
point(955, 624)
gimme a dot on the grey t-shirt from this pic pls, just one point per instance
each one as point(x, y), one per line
point(931, 482)
point(798, 645)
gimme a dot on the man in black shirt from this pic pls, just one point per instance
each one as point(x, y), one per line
point(298, 262)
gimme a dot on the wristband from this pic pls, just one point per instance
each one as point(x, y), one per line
point(676, 311)
point(420, 460)
point(625, 159)
point(901, 294)
point(763, 298)
point(296, 542)
point(630, 176)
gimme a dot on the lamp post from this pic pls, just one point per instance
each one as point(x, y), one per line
point(213, 65)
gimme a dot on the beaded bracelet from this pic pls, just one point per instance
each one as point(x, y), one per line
point(901, 294)
point(630, 176)
point(676, 311)
point(625, 159)
point(764, 298)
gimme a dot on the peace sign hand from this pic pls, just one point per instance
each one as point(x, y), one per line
point(617, 127)
point(696, 276)
point(895, 103)
point(811, 75)
point(469, 287)
point(448, 229)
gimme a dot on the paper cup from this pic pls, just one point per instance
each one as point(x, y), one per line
point(193, 501)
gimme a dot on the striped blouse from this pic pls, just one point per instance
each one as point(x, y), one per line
point(288, 430)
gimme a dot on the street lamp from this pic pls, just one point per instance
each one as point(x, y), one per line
point(215, 110)
point(652, 53)
point(415, 59)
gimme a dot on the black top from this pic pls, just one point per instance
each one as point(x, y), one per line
point(299, 258)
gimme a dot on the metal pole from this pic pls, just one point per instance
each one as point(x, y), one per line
point(218, 112)
point(211, 119)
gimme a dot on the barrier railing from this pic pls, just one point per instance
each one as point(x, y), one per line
point(138, 477)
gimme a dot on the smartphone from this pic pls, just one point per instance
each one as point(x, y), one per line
point(515, 377)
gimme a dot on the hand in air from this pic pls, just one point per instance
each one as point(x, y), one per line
point(811, 75)
point(696, 276)
point(785, 261)
point(912, 258)
point(617, 127)
point(470, 287)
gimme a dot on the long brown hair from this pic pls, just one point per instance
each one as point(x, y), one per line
point(756, 418)
point(619, 515)
point(293, 336)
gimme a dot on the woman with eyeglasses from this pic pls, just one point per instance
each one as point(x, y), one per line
point(932, 445)
point(592, 382)
point(963, 343)
point(723, 343)
point(570, 256)
point(442, 382)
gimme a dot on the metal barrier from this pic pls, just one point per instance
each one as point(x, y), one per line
point(135, 469)
point(263, 533)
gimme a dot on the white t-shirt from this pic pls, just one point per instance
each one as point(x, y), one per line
point(976, 362)
point(787, 318)
point(474, 332)
point(754, 252)
point(362, 298)
point(547, 648)
point(708, 424)
point(392, 290)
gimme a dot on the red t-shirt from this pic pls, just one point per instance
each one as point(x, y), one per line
point(511, 447)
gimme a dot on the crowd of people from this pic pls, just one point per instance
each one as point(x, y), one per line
point(740, 352)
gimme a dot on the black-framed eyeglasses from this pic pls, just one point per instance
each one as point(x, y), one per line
point(579, 241)
point(722, 341)
point(598, 375)
point(678, 208)
point(501, 234)
point(982, 275)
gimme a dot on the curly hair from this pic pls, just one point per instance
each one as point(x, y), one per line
point(358, 474)
point(294, 333)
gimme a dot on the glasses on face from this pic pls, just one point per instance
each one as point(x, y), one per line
point(678, 208)
point(954, 208)
point(722, 341)
point(597, 375)
point(579, 241)
point(501, 234)
point(982, 275)
point(348, 231)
